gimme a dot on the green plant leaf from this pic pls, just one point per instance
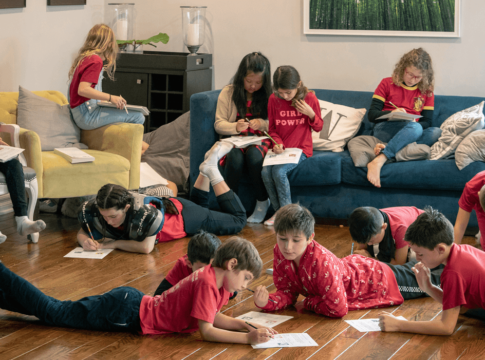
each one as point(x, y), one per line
point(161, 37)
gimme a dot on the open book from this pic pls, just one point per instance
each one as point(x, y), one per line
point(74, 155)
point(9, 152)
point(141, 109)
point(399, 116)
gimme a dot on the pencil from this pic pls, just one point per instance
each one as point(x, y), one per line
point(276, 302)
point(393, 105)
point(90, 233)
point(245, 119)
point(254, 327)
point(125, 105)
point(270, 138)
point(352, 251)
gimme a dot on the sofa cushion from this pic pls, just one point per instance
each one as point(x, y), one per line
point(455, 129)
point(51, 121)
point(471, 149)
point(323, 168)
point(423, 174)
point(340, 124)
point(59, 174)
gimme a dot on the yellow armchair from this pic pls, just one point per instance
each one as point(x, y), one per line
point(116, 148)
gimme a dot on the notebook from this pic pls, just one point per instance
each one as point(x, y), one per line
point(74, 155)
point(8, 153)
point(141, 109)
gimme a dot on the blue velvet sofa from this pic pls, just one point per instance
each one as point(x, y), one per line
point(330, 185)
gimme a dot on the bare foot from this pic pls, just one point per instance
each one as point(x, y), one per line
point(374, 170)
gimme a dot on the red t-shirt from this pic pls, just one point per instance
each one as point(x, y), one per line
point(399, 219)
point(173, 227)
point(469, 201)
point(181, 307)
point(87, 71)
point(463, 278)
point(409, 98)
point(179, 271)
point(290, 127)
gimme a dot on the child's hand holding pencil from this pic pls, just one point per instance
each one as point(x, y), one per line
point(277, 148)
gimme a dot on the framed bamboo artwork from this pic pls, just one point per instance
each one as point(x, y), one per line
point(412, 18)
point(12, 4)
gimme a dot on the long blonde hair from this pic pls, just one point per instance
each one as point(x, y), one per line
point(421, 60)
point(100, 41)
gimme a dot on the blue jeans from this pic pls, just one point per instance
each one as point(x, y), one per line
point(116, 310)
point(398, 134)
point(275, 178)
point(89, 115)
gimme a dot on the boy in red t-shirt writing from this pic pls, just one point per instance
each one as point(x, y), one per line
point(192, 304)
point(462, 280)
point(380, 232)
point(200, 252)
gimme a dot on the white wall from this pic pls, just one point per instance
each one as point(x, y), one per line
point(332, 62)
point(38, 43)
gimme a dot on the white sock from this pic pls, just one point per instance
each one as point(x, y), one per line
point(26, 226)
point(209, 167)
point(2, 237)
point(259, 212)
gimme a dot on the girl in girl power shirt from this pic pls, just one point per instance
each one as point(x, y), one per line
point(293, 111)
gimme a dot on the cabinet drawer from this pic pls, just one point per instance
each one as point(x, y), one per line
point(132, 86)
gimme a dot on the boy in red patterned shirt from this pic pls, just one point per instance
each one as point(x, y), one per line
point(332, 286)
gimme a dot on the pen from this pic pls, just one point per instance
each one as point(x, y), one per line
point(254, 327)
point(352, 251)
point(276, 302)
point(125, 105)
point(270, 138)
point(247, 120)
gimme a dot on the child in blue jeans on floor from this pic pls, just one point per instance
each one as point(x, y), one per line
point(409, 90)
point(293, 111)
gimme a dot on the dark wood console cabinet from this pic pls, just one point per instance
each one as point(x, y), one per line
point(161, 81)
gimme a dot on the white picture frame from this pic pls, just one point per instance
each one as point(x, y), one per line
point(442, 34)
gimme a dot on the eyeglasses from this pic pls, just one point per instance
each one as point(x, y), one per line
point(413, 76)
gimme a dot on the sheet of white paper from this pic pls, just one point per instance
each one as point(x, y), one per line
point(9, 152)
point(400, 116)
point(288, 156)
point(366, 325)
point(244, 141)
point(287, 340)
point(149, 177)
point(79, 253)
point(265, 319)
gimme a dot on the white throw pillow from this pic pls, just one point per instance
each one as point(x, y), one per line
point(340, 124)
point(471, 149)
point(455, 129)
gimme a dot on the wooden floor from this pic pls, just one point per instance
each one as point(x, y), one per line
point(23, 337)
